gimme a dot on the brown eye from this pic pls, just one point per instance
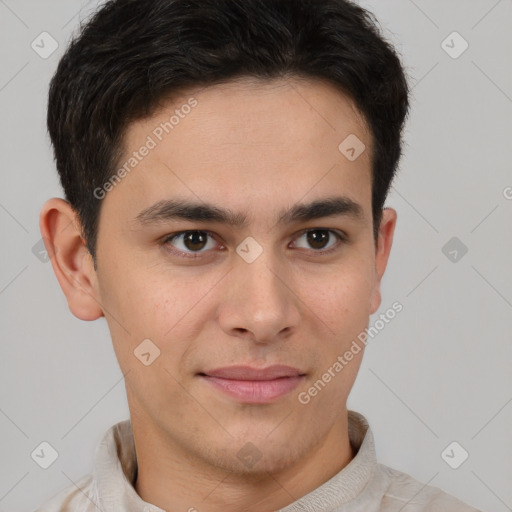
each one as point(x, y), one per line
point(190, 241)
point(321, 240)
point(317, 239)
point(195, 240)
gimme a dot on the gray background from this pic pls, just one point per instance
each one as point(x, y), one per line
point(439, 372)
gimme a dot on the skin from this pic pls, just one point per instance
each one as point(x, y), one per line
point(255, 148)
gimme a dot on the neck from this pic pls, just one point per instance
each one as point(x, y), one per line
point(177, 481)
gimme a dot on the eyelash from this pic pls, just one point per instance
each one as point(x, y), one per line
point(342, 238)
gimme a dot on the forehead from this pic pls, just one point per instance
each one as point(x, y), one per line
point(249, 143)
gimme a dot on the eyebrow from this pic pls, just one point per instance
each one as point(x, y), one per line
point(177, 209)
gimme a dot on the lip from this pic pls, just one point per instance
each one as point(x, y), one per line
point(250, 373)
point(254, 385)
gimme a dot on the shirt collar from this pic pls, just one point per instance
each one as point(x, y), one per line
point(115, 468)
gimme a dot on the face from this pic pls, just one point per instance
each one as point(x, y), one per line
point(254, 280)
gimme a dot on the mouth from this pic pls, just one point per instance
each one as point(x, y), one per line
point(252, 385)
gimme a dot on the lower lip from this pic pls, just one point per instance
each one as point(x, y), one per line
point(255, 391)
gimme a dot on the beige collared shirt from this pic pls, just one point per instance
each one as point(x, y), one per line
point(361, 486)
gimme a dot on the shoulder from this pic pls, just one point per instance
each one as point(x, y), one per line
point(75, 498)
point(405, 493)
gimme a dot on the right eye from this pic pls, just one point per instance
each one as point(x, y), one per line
point(188, 243)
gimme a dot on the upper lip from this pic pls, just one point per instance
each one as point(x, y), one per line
point(251, 373)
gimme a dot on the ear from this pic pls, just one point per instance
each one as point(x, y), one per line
point(384, 242)
point(71, 261)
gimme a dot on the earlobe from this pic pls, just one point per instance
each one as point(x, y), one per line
point(383, 250)
point(71, 261)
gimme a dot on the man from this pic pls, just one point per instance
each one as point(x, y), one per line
point(225, 165)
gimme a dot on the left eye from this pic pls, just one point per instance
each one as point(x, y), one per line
point(317, 238)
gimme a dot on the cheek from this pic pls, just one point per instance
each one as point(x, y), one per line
point(342, 298)
point(147, 296)
point(153, 303)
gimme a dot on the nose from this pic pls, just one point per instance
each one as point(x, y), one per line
point(259, 302)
